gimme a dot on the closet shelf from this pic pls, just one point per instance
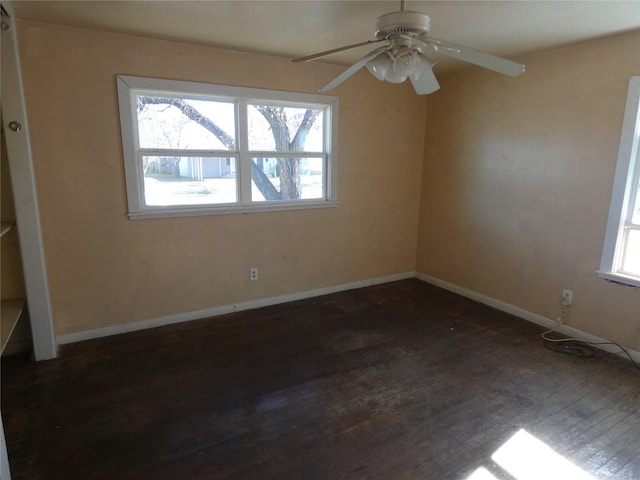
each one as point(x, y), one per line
point(10, 314)
point(6, 226)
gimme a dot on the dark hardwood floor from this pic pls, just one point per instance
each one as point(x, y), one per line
point(396, 381)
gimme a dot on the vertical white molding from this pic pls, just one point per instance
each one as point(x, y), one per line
point(25, 197)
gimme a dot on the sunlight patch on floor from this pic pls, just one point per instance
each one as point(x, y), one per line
point(527, 458)
point(481, 474)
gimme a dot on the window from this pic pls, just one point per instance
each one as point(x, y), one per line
point(621, 253)
point(193, 148)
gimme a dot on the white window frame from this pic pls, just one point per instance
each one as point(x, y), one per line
point(130, 86)
point(625, 189)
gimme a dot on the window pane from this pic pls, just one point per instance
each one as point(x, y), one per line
point(635, 214)
point(184, 124)
point(631, 256)
point(189, 180)
point(276, 179)
point(285, 129)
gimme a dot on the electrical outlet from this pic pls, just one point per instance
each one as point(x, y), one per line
point(567, 297)
point(253, 273)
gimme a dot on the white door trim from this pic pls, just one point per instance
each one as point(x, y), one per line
point(24, 190)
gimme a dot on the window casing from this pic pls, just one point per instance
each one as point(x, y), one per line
point(198, 149)
point(621, 251)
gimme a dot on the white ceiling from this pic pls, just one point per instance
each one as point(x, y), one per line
point(297, 28)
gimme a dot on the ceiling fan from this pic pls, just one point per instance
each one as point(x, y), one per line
point(408, 52)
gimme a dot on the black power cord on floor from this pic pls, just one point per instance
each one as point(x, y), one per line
point(579, 348)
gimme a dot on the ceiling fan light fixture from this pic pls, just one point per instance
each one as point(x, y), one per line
point(406, 62)
point(393, 77)
point(380, 65)
point(425, 63)
point(395, 66)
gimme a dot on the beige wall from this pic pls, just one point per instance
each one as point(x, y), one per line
point(515, 185)
point(105, 269)
point(517, 180)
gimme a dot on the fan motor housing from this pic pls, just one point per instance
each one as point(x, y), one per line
point(411, 24)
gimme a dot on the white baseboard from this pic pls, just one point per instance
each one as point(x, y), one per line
point(67, 338)
point(530, 316)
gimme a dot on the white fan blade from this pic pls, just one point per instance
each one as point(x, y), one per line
point(425, 83)
point(352, 69)
point(335, 50)
point(485, 60)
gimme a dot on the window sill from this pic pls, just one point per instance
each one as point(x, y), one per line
point(230, 209)
point(619, 278)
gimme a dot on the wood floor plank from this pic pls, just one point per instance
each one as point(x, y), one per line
point(395, 381)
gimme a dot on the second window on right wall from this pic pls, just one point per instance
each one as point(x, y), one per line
point(621, 252)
